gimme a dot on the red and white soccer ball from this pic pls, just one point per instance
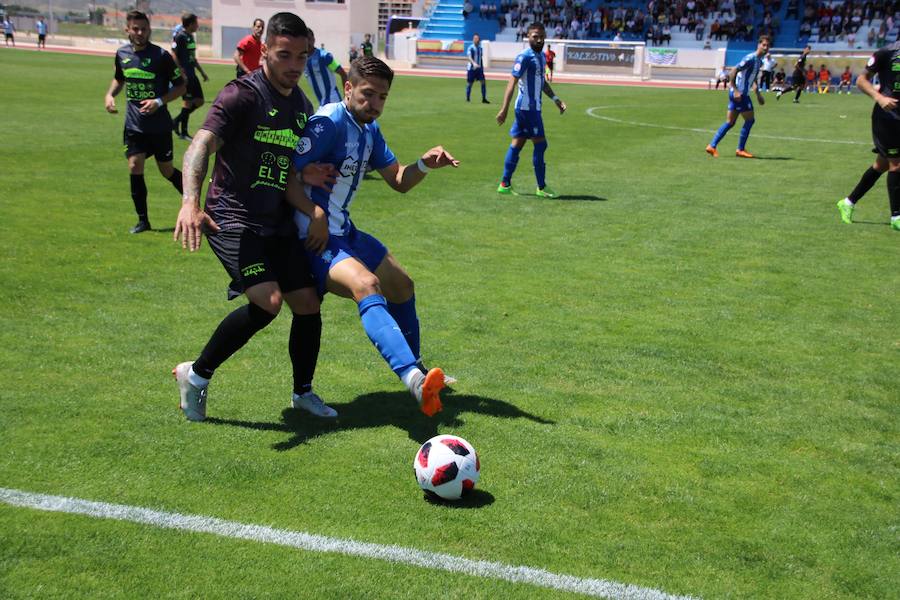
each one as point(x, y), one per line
point(447, 466)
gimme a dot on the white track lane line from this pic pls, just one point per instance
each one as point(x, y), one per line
point(600, 588)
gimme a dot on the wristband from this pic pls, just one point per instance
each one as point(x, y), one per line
point(555, 98)
point(420, 165)
point(159, 102)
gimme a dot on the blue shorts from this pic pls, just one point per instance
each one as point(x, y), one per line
point(744, 105)
point(475, 74)
point(356, 244)
point(528, 124)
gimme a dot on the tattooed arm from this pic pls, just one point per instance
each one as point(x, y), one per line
point(191, 218)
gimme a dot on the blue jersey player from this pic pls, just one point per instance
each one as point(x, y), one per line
point(740, 82)
point(349, 262)
point(320, 69)
point(475, 69)
point(528, 75)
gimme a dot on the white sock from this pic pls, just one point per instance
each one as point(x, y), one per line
point(197, 381)
point(847, 202)
point(411, 376)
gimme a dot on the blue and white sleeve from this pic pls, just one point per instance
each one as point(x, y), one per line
point(315, 143)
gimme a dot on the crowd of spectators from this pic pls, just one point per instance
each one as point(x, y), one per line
point(655, 21)
point(833, 21)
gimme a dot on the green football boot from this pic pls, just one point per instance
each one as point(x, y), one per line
point(895, 224)
point(546, 193)
point(846, 211)
point(506, 189)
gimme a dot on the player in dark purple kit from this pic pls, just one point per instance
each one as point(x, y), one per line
point(184, 51)
point(253, 128)
point(885, 121)
point(145, 71)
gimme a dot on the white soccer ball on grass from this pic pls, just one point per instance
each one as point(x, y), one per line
point(447, 466)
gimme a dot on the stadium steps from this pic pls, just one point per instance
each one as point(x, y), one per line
point(446, 21)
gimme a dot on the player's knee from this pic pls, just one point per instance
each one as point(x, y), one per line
point(304, 301)
point(271, 303)
point(166, 169)
point(366, 285)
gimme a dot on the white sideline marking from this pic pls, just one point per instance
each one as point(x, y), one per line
point(708, 131)
point(316, 543)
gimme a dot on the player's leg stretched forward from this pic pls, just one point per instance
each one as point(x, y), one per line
point(397, 342)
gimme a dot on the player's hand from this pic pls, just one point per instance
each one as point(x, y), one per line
point(205, 78)
point(320, 175)
point(111, 105)
point(501, 116)
point(561, 106)
point(887, 102)
point(149, 106)
point(189, 226)
point(737, 96)
point(317, 235)
point(437, 157)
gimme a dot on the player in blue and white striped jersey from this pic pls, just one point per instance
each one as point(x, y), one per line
point(528, 75)
point(349, 262)
point(475, 69)
point(320, 69)
point(741, 80)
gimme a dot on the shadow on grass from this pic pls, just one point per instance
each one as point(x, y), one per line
point(163, 229)
point(378, 409)
point(476, 498)
point(773, 158)
point(582, 197)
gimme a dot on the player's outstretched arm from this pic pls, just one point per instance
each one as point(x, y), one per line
point(191, 218)
point(405, 177)
point(507, 98)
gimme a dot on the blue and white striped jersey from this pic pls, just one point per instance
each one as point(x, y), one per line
point(333, 136)
point(321, 77)
point(747, 70)
point(529, 68)
point(476, 55)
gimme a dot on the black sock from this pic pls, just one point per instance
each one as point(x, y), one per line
point(303, 346)
point(797, 95)
point(893, 180)
point(182, 118)
point(233, 332)
point(865, 184)
point(176, 180)
point(176, 122)
point(139, 196)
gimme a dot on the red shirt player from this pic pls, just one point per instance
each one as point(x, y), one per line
point(249, 49)
point(549, 55)
point(846, 81)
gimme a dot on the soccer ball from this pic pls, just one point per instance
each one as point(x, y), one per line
point(447, 466)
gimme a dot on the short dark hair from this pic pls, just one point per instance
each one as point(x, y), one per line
point(136, 15)
point(766, 37)
point(188, 19)
point(258, 20)
point(536, 25)
point(369, 66)
point(285, 23)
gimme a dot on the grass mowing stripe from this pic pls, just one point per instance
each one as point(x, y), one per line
point(316, 543)
point(784, 138)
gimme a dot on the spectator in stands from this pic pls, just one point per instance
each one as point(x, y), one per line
point(467, 9)
point(667, 34)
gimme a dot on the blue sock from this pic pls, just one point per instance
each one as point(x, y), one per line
point(540, 169)
point(509, 164)
point(483, 91)
point(408, 321)
point(468, 91)
point(382, 329)
point(745, 133)
point(726, 126)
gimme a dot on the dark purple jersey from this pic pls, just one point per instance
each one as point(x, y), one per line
point(146, 74)
point(260, 129)
point(886, 64)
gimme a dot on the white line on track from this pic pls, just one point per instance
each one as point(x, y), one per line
point(785, 138)
point(600, 588)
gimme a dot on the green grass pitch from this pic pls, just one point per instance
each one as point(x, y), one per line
point(682, 375)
